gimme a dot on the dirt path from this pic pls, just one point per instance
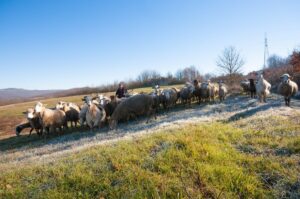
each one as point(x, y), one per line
point(43, 151)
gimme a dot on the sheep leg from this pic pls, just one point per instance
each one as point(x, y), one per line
point(54, 130)
point(30, 132)
point(66, 125)
point(287, 101)
point(149, 114)
point(265, 99)
point(39, 131)
point(47, 130)
point(260, 98)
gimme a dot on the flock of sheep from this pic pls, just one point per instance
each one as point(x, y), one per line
point(287, 88)
point(100, 110)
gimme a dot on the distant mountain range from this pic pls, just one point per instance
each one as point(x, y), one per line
point(23, 94)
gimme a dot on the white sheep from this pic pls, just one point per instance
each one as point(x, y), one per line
point(222, 91)
point(262, 88)
point(287, 88)
point(209, 91)
point(95, 115)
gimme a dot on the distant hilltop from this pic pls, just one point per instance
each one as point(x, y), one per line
point(23, 94)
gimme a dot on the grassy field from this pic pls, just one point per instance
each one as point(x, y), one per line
point(11, 115)
point(253, 157)
point(253, 152)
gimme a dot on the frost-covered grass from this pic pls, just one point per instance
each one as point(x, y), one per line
point(236, 149)
point(254, 157)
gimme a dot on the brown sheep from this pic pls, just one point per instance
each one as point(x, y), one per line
point(197, 91)
point(287, 88)
point(131, 107)
point(51, 119)
point(72, 112)
point(222, 91)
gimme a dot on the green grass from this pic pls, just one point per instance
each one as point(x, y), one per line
point(214, 160)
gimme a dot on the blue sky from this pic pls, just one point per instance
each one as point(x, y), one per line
point(58, 44)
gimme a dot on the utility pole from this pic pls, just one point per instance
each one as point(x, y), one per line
point(266, 52)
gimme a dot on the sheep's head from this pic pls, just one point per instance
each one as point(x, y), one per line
point(205, 85)
point(84, 98)
point(29, 113)
point(157, 90)
point(260, 75)
point(102, 100)
point(220, 83)
point(88, 100)
point(196, 83)
point(38, 107)
point(285, 78)
point(112, 98)
point(60, 105)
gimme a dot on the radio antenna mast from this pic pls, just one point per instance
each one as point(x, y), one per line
point(266, 53)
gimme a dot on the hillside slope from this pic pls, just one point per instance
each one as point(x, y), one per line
point(230, 150)
point(16, 93)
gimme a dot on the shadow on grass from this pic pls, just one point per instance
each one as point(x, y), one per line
point(179, 112)
point(35, 140)
point(251, 112)
point(74, 134)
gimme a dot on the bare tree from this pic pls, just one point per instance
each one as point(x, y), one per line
point(154, 74)
point(169, 75)
point(190, 73)
point(179, 75)
point(148, 75)
point(230, 62)
point(277, 61)
point(208, 76)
